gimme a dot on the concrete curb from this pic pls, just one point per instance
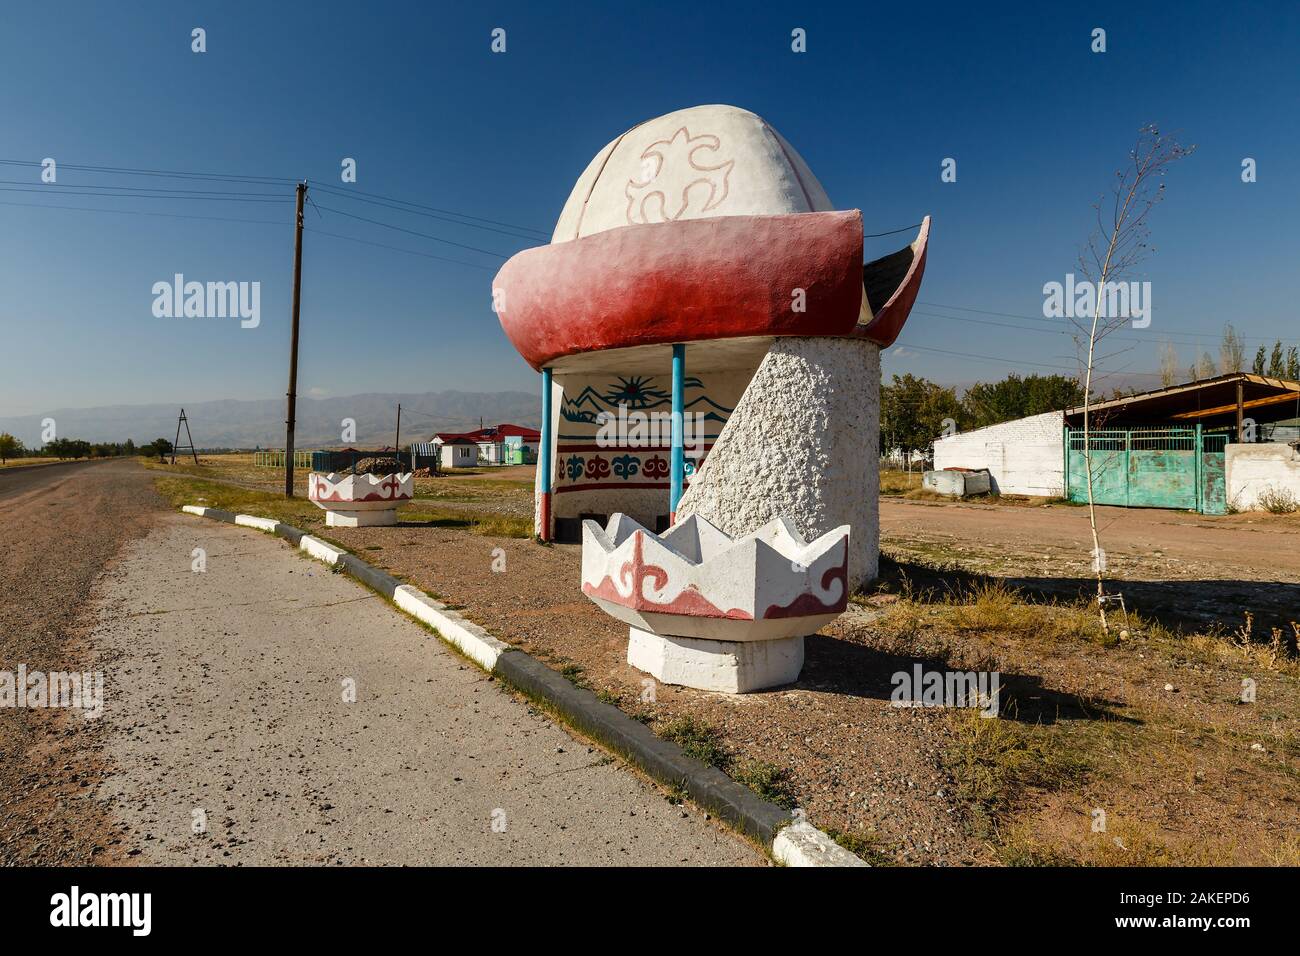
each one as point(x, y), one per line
point(796, 843)
point(802, 844)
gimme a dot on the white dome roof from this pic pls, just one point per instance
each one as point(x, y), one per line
point(692, 164)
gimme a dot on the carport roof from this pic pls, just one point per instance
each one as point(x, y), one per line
point(1197, 401)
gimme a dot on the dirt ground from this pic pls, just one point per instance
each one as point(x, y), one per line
point(1150, 732)
point(1197, 568)
point(63, 525)
point(850, 760)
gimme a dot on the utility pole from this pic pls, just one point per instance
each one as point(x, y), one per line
point(293, 345)
point(177, 446)
point(397, 441)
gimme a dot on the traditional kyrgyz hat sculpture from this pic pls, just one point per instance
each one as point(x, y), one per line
point(703, 224)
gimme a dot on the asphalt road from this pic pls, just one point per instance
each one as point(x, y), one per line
point(226, 736)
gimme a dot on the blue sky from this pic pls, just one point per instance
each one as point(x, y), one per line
point(1036, 121)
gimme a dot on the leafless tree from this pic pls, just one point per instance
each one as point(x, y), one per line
point(1168, 364)
point(1232, 351)
point(1112, 255)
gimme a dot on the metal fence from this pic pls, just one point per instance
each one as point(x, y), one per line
point(275, 459)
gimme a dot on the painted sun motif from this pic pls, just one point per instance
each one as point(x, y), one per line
point(635, 392)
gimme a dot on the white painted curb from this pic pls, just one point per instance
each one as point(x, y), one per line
point(321, 550)
point(470, 639)
point(802, 844)
point(261, 524)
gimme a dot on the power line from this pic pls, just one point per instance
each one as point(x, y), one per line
point(892, 232)
point(1005, 360)
point(142, 212)
point(159, 173)
point(375, 198)
point(412, 252)
point(1035, 318)
point(268, 180)
point(70, 191)
point(56, 187)
point(412, 232)
point(1061, 331)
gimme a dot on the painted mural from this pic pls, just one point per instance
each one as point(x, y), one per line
point(615, 431)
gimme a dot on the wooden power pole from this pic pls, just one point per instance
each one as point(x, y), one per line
point(397, 441)
point(293, 345)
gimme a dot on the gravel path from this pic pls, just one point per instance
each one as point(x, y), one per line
point(62, 526)
point(225, 708)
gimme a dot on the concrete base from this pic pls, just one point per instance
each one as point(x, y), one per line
point(361, 519)
point(733, 667)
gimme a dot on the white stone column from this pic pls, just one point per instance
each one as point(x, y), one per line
point(803, 443)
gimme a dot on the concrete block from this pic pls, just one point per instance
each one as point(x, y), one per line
point(381, 581)
point(731, 667)
point(361, 519)
point(470, 639)
point(261, 524)
point(321, 550)
point(802, 844)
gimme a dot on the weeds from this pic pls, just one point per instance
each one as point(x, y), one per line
point(697, 739)
point(1277, 501)
point(994, 763)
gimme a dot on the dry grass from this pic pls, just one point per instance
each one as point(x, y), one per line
point(899, 482)
point(180, 489)
point(17, 462)
point(1278, 501)
point(995, 763)
point(1149, 727)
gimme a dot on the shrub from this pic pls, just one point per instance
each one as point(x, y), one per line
point(1278, 501)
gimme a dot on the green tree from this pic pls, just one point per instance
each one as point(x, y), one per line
point(914, 412)
point(1293, 363)
point(1276, 364)
point(1261, 361)
point(8, 447)
point(987, 403)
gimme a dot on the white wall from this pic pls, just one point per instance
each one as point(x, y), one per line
point(458, 456)
point(1024, 457)
point(1250, 469)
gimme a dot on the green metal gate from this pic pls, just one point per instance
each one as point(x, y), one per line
point(1159, 466)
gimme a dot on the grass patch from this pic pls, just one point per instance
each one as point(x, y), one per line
point(697, 739)
point(896, 483)
point(995, 762)
point(180, 489)
point(862, 844)
point(769, 781)
point(573, 673)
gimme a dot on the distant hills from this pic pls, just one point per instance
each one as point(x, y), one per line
point(231, 423)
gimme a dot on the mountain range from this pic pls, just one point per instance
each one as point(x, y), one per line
point(234, 423)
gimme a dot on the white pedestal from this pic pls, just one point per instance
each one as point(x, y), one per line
point(361, 519)
point(733, 667)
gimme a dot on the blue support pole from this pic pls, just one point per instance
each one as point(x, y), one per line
point(544, 458)
point(678, 457)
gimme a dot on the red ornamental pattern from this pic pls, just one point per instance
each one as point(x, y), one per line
point(633, 575)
